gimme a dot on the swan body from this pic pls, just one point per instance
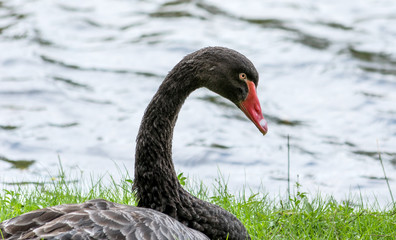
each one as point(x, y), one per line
point(165, 210)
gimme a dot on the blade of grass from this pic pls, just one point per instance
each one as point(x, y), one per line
point(386, 178)
point(288, 165)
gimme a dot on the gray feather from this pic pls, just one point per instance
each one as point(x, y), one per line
point(97, 219)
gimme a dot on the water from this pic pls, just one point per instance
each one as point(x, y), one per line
point(76, 76)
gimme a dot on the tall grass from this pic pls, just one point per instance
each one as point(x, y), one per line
point(299, 216)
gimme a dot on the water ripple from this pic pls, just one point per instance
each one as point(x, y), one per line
point(71, 70)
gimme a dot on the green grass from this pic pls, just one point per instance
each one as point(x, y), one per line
point(297, 217)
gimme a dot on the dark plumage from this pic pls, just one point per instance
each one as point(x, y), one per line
point(165, 210)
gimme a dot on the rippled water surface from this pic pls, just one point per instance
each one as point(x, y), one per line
point(76, 76)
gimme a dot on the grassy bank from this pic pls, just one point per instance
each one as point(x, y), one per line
point(298, 217)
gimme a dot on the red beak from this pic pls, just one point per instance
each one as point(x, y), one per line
point(251, 107)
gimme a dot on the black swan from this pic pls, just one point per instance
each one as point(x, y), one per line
point(165, 210)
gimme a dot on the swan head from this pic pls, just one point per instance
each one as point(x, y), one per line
point(231, 75)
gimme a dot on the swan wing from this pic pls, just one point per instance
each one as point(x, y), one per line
point(97, 219)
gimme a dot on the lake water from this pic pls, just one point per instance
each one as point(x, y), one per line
point(76, 76)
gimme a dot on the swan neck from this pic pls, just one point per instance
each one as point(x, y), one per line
point(156, 184)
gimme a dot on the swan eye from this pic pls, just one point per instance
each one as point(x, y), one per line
point(242, 76)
